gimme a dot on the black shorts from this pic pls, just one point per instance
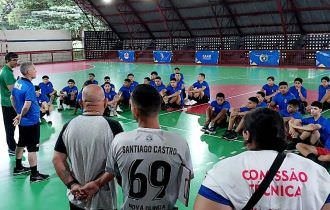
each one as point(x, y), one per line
point(69, 102)
point(29, 137)
point(203, 100)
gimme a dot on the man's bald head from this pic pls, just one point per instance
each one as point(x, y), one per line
point(92, 93)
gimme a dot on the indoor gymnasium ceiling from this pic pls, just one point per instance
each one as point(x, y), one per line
point(156, 19)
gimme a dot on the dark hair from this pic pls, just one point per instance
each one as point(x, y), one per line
point(177, 68)
point(271, 77)
point(298, 79)
point(88, 82)
point(202, 74)
point(266, 128)
point(147, 78)
point(130, 74)
point(158, 77)
point(36, 88)
point(326, 78)
point(294, 102)
point(10, 56)
point(127, 80)
point(71, 80)
point(45, 77)
point(220, 95)
point(178, 73)
point(283, 83)
point(261, 93)
point(154, 73)
point(91, 74)
point(107, 83)
point(173, 79)
point(317, 104)
point(254, 99)
point(147, 100)
point(106, 77)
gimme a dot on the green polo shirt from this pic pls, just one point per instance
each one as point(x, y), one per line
point(6, 78)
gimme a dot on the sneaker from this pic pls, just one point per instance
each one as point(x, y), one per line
point(23, 170)
point(11, 152)
point(211, 130)
point(50, 122)
point(231, 136)
point(119, 109)
point(38, 178)
point(226, 133)
point(193, 102)
point(187, 102)
point(60, 108)
point(204, 128)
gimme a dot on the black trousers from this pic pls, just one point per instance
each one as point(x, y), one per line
point(73, 207)
point(9, 114)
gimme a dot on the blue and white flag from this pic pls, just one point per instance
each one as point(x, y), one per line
point(264, 57)
point(126, 55)
point(163, 56)
point(323, 59)
point(207, 57)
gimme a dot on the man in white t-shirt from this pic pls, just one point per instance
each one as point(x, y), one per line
point(299, 183)
point(148, 159)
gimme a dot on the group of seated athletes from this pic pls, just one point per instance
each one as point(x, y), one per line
point(304, 133)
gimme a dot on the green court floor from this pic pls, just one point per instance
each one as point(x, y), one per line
point(238, 83)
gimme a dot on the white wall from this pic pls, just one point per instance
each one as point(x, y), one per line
point(37, 40)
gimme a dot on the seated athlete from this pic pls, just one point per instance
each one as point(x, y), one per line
point(216, 114)
point(270, 89)
point(281, 99)
point(111, 100)
point(47, 89)
point(43, 101)
point(200, 90)
point(68, 95)
point(173, 96)
point(324, 92)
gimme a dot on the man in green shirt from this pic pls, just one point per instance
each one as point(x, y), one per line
point(7, 81)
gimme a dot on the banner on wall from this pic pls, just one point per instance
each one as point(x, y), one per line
point(163, 56)
point(126, 55)
point(264, 57)
point(207, 57)
point(323, 58)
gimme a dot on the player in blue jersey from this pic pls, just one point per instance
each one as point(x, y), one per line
point(324, 92)
point(216, 114)
point(146, 80)
point(124, 94)
point(47, 88)
point(314, 129)
point(173, 97)
point(133, 84)
point(237, 119)
point(281, 99)
point(176, 70)
point(300, 93)
point(25, 103)
point(200, 90)
point(107, 79)
point(270, 88)
point(153, 76)
point(68, 95)
point(43, 100)
point(261, 97)
point(111, 100)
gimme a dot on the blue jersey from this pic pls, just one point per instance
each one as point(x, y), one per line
point(270, 89)
point(172, 76)
point(244, 109)
point(69, 90)
point(133, 85)
point(199, 85)
point(42, 98)
point(79, 96)
point(24, 91)
point(126, 92)
point(282, 100)
point(170, 90)
point(295, 115)
point(160, 87)
point(152, 83)
point(110, 95)
point(111, 85)
point(46, 88)
point(262, 105)
point(295, 92)
point(324, 131)
point(322, 91)
point(218, 107)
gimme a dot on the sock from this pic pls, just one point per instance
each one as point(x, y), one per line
point(19, 163)
point(34, 171)
point(61, 102)
point(47, 113)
